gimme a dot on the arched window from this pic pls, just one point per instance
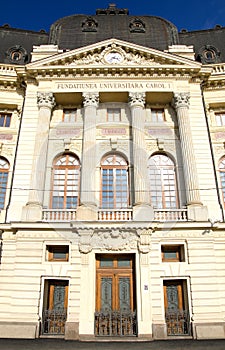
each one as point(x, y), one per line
point(162, 179)
point(222, 176)
point(66, 182)
point(4, 170)
point(114, 187)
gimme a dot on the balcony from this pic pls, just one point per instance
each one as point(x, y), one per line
point(58, 215)
point(67, 215)
point(115, 214)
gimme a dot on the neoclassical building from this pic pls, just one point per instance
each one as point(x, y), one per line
point(112, 179)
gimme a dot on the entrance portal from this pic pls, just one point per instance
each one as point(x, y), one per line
point(115, 298)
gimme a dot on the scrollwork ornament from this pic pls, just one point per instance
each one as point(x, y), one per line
point(91, 99)
point(181, 99)
point(45, 99)
point(137, 99)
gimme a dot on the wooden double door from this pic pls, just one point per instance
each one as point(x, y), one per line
point(115, 298)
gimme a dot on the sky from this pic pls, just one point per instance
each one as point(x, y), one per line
point(185, 14)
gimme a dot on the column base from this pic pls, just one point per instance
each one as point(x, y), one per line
point(143, 212)
point(32, 212)
point(72, 331)
point(87, 212)
point(197, 212)
point(159, 331)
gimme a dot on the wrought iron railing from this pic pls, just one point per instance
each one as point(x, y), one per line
point(53, 322)
point(58, 215)
point(115, 323)
point(178, 322)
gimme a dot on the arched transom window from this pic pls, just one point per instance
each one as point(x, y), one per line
point(162, 177)
point(66, 181)
point(114, 187)
point(4, 170)
point(222, 176)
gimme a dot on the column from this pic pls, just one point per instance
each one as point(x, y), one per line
point(87, 210)
point(139, 154)
point(181, 104)
point(32, 211)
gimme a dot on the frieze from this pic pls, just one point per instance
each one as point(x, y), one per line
point(114, 86)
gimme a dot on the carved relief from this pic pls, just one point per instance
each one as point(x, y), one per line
point(121, 56)
point(107, 239)
point(144, 244)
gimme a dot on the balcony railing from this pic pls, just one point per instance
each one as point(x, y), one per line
point(62, 215)
point(170, 215)
point(58, 215)
point(115, 214)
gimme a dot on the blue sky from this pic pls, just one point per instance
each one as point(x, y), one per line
point(187, 14)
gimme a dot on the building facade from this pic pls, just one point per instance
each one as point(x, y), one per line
point(112, 180)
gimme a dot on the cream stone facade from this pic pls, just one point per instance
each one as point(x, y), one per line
point(113, 217)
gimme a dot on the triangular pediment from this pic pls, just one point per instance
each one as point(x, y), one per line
point(113, 53)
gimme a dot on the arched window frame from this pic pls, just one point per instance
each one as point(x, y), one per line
point(4, 172)
point(222, 176)
point(114, 182)
point(163, 182)
point(65, 193)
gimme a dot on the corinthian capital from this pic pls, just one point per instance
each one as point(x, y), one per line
point(45, 99)
point(137, 99)
point(90, 99)
point(181, 99)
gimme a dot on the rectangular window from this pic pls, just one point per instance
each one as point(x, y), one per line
point(172, 253)
point(58, 253)
point(69, 115)
point(113, 114)
point(157, 115)
point(5, 120)
point(220, 119)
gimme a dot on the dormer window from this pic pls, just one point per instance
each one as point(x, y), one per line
point(137, 26)
point(90, 25)
point(17, 54)
point(208, 55)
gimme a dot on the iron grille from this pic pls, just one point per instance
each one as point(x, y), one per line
point(53, 321)
point(178, 322)
point(115, 323)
